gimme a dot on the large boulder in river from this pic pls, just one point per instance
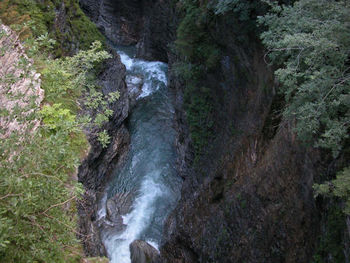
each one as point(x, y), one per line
point(118, 205)
point(142, 252)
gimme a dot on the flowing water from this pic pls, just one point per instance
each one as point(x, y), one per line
point(149, 172)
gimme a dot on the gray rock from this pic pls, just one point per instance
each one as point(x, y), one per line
point(119, 20)
point(117, 206)
point(150, 25)
point(142, 252)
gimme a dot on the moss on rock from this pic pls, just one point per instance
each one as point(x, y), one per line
point(64, 20)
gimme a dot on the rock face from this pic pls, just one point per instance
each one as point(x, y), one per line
point(111, 79)
point(100, 162)
point(145, 23)
point(142, 252)
point(250, 199)
point(118, 20)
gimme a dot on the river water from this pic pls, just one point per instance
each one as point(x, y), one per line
point(149, 172)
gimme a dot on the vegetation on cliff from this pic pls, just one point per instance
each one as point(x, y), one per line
point(310, 42)
point(39, 159)
point(62, 19)
point(199, 55)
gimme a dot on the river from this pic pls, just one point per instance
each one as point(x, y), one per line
point(149, 173)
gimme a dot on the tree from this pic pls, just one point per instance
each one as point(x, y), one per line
point(310, 42)
point(339, 187)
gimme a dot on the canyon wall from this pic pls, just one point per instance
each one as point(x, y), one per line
point(249, 198)
point(148, 24)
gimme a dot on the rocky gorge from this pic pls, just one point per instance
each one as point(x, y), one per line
point(249, 198)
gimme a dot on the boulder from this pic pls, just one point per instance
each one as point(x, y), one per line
point(95, 260)
point(142, 252)
point(118, 205)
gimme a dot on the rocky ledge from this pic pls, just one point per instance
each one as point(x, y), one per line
point(97, 167)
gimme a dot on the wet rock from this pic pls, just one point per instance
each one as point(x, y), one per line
point(119, 20)
point(149, 24)
point(113, 228)
point(134, 84)
point(142, 252)
point(88, 228)
point(117, 206)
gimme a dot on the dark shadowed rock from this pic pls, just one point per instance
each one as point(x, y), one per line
point(118, 205)
point(119, 20)
point(142, 252)
point(149, 24)
point(250, 200)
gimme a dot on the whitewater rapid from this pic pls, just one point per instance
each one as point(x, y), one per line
point(149, 172)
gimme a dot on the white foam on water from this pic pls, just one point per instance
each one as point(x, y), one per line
point(126, 60)
point(143, 208)
point(154, 72)
point(137, 220)
point(102, 212)
point(153, 244)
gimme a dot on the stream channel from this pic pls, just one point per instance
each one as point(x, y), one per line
point(141, 194)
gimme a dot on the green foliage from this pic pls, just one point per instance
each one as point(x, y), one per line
point(242, 14)
point(339, 187)
point(104, 138)
point(198, 105)
point(28, 13)
point(37, 220)
point(66, 80)
point(199, 111)
point(55, 117)
point(37, 189)
point(38, 18)
point(310, 41)
point(82, 28)
point(193, 39)
point(245, 10)
point(200, 55)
